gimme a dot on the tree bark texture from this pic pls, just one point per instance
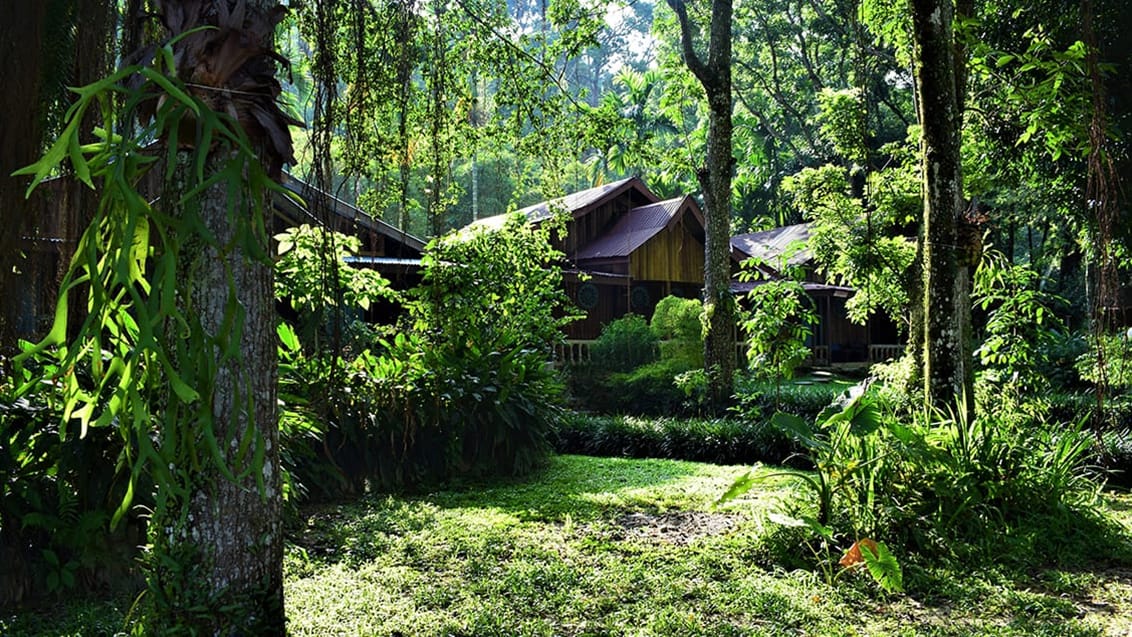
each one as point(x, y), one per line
point(945, 300)
point(715, 180)
point(21, 136)
point(225, 535)
point(234, 528)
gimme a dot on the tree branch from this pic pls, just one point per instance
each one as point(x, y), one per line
point(695, 64)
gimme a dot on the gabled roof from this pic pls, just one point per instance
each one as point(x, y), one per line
point(301, 213)
point(637, 226)
point(772, 245)
point(578, 203)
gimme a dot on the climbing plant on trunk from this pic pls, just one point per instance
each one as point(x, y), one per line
point(178, 347)
point(715, 180)
point(946, 291)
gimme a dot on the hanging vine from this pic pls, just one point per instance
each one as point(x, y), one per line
point(195, 120)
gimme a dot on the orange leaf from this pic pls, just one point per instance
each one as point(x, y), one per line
point(853, 556)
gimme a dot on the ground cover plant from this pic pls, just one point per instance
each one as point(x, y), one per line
point(608, 546)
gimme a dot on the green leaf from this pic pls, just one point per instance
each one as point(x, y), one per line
point(884, 567)
point(171, 89)
point(798, 429)
point(741, 485)
point(287, 337)
point(124, 505)
point(78, 161)
point(51, 558)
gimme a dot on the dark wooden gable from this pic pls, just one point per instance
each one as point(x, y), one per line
point(624, 248)
point(595, 218)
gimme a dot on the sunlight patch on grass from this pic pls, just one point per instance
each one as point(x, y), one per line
point(628, 547)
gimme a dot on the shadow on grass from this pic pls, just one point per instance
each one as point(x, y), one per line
point(570, 489)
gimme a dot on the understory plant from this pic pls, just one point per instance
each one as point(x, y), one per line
point(463, 388)
point(937, 485)
point(1022, 323)
point(645, 367)
point(625, 344)
point(776, 317)
point(57, 495)
point(846, 448)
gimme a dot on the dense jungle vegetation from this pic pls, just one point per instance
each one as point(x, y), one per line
point(203, 436)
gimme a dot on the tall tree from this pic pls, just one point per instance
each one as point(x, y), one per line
point(945, 301)
point(21, 35)
point(715, 180)
point(177, 347)
point(221, 520)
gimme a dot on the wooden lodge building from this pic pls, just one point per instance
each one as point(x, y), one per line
point(625, 249)
point(834, 339)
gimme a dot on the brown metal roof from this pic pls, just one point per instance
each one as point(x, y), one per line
point(636, 227)
point(772, 245)
point(577, 203)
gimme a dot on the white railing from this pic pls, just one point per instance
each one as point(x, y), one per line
point(574, 351)
point(882, 353)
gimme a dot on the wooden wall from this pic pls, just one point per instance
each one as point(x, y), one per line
point(612, 303)
point(675, 256)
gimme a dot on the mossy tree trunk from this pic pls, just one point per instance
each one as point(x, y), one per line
point(218, 537)
point(945, 307)
point(715, 180)
point(233, 531)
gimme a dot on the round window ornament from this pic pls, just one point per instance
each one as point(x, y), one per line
point(587, 296)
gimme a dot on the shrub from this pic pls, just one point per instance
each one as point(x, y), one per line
point(624, 344)
point(58, 493)
point(1022, 324)
point(1114, 456)
point(940, 485)
point(758, 399)
point(648, 390)
point(320, 288)
point(1117, 350)
point(634, 365)
point(464, 390)
point(678, 324)
point(776, 317)
point(717, 440)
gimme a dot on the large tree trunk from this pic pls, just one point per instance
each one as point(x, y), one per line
point(235, 530)
point(715, 179)
point(21, 138)
point(225, 534)
point(719, 341)
point(945, 300)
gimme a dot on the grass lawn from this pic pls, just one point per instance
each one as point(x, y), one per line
point(601, 546)
point(598, 546)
